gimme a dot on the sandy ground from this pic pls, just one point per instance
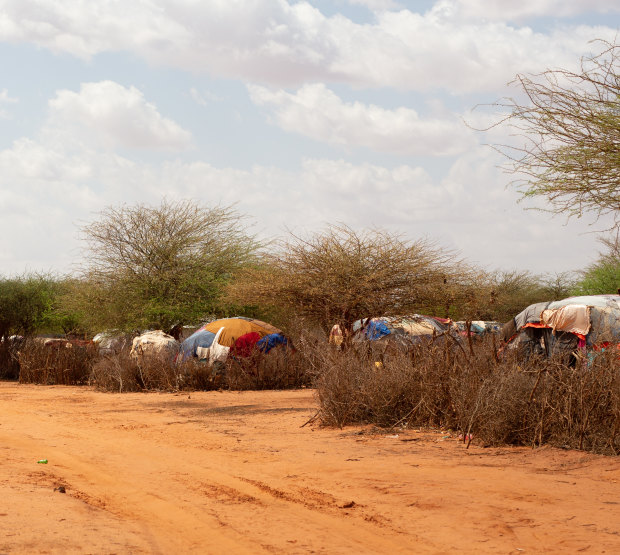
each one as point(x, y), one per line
point(227, 472)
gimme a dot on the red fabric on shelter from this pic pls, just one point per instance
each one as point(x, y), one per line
point(245, 344)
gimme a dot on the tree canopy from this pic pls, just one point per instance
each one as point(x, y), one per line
point(570, 128)
point(154, 267)
point(27, 304)
point(340, 275)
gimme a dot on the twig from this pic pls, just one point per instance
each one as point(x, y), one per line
point(408, 415)
point(312, 418)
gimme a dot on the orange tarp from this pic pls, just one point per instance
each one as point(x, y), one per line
point(236, 327)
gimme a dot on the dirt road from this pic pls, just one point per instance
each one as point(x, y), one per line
point(216, 472)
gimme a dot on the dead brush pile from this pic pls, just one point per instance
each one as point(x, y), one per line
point(55, 362)
point(9, 365)
point(541, 401)
point(123, 373)
point(279, 369)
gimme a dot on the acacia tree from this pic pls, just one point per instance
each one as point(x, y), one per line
point(339, 275)
point(159, 266)
point(570, 126)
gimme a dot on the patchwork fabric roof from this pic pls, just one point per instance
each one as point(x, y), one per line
point(238, 326)
point(592, 318)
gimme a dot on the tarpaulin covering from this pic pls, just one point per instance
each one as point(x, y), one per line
point(245, 344)
point(272, 341)
point(414, 326)
point(587, 321)
point(530, 315)
point(574, 318)
point(605, 326)
point(154, 344)
point(238, 326)
point(602, 301)
point(376, 329)
point(201, 338)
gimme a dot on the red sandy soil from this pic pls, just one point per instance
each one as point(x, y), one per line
point(228, 472)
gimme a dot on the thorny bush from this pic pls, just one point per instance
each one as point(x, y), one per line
point(55, 362)
point(541, 401)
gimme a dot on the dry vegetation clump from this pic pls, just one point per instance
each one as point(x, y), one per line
point(542, 401)
point(278, 369)
point(9, 365)
point(121, 372)
point(116, 372)
point(55, 363)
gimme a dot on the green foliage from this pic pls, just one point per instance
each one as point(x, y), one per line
point(27, 304)
point(154, 267)
point(603, 276)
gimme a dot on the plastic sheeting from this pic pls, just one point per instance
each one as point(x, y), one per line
point(201, 338)
point(272, 341)
point(601, 301)
point(571, 318)
point(236, 327)
point(154, 344)
point(530, 315)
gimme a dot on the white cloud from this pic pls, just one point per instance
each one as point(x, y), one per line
point(377, 5)
point(4, 97)
point(287, 44)
point(109, 115)
point(528, 9)
point(318, 113)
point(45, 191)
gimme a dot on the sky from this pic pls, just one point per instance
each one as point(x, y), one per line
point(300, 114)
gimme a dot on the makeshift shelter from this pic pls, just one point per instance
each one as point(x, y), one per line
point(566, 326)
point(238, 336)
point(234, 328)
point(199, 339)
point(478, 327)
point(404, 329)
point(111, 342)
point(154, 344)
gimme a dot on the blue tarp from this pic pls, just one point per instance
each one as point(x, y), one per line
point(201, 338)
point(271, 341)
point(376, 329)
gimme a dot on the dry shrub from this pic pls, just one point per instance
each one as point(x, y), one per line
point(199, 376)
point(281, 368)
point(542, 401)
point(158, 373)
point(58, 363)
point(9, 365)
point(386, 384)
point(116, 372)
point(122, 372)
